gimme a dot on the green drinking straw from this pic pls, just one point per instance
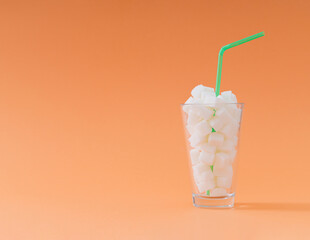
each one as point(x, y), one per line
point(220, 60)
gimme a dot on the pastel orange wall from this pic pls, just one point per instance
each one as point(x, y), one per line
point(92, 144)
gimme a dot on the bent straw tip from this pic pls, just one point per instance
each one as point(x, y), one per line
point(262, 33)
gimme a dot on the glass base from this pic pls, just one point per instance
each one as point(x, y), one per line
point(200, 200)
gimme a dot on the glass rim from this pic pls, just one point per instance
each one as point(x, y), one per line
point(208, 104)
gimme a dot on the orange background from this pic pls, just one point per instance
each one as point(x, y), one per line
point(92, 143)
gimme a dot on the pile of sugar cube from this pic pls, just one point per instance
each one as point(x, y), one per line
point(213, 127)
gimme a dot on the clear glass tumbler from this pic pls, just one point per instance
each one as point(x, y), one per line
point(212, 136)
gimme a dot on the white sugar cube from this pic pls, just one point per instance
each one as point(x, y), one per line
point(209, 99)
point(218, 192)
point(231, 108)
point(204, 175)
point(224, 115)
point(194, 154)
point(196, 139)
point(203, 112)
point(203, 128)
point(204, 186)
point(224, 182)
point(219, 103)
point(208, 92)
point(217, 123)
point(207, 158)
point(229, 97)
point(229, 130)
point(201, 171)
point(220, 100)
point(207, 148)
point(198, 90)
point(190, 128)
point(190, 100)
point(215, 139)
point(193, 118)
point(227, 146)
point(205, 180)
point(222, 172)
point(222, 160)
point(199, 168)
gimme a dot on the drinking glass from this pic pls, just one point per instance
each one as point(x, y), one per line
point(212, 137)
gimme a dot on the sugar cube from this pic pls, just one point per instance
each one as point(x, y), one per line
point(203, 128)
point(222, 172)
point(222, 160)
point(224, 182)
point(218, 192)
point(206, 157)
point(194, 154)
point(216, 139)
